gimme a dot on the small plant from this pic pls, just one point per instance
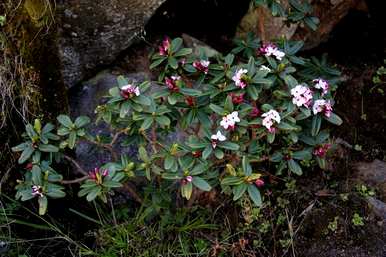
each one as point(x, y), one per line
point(357, 220)
point(365, 191)
point(379, 80)
point(243, 119)
point(297, 12)
point(3, 19)
point(333, 225)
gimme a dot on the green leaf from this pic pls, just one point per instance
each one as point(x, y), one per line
point(82, 121)
point(321, 162)
point(163, 120)
point(65, 121)
point(217, 109)
point(302, 155)
point(186, 190)
point(334, 119)
point(72, 139)
point(239, 190)
point(20, 147)
point(286, 126)
point(30, 131)
point(173, 63)
point(36, 175)
point(147, 123)
point(183, 52)
point(190, 91)
point(157, 62)
point(315, 126)
point(111, 184)
point(43, 203)
point(93, 193)
point(26, 154)
point(48, 148)
point(231, 181)
point(122, 81)
point(176, 44)
point(201, 184)
point(218, 153)
point(246, 166)
point(228, 104)
point(229, 145)
point(254, 194)
point(142, 99)
point(207, 151)
point(253, 92)
point(169, 162)
point(294, 167)
point(143, 154)
point(270, 137)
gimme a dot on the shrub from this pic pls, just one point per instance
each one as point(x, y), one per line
point(254, 113)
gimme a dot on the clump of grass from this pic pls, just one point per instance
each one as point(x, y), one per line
point(20, 97)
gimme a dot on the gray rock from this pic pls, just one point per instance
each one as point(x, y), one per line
point(378, 207)
point(93, 33)
point(373, 174)
point(330, 12)
point(198, 46)
point(83, 101)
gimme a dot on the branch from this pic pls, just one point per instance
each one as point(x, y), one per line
point(76, 164)
point(74, 181)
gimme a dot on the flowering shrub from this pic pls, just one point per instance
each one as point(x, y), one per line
point(241, 120)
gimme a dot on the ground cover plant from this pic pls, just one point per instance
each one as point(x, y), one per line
point(245, 117)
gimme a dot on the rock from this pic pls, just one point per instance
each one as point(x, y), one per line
point(198, 46)
point(92, 33)
point(378, 207)
point(260, 21)
point(372, 174)
point(83, 101)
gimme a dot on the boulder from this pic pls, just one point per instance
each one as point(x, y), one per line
point(372, 174)
point(93, 33)
point(260, 21)
point(83, 101)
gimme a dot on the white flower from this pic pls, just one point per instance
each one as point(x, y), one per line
point(271, 49)
point(322, 105)
point(37, 190)
point(217, 137)
point(321, 84)
point(302, 95)
point(269, 118)
point(234, 116)
point(264, 68)
point(175, 77)
point(130, 89)
point(205, 63)
point(238, 78)
point(230, 120)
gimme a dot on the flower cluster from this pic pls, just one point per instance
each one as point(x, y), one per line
point(321, 150)
point(128, 91)
point(321, 84)
point(202, 66)
point(171, 83)
point(302, 96)
point(97, 175)
point(237, 98)
point(217, 137)
point(37, 191)
point(164, 48)
point(240, 78)
point(271, 49)
point(323, 106)
point(229, 121)
point(269, 118)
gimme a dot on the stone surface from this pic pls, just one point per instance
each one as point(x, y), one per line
point(83, 101)
point(93, 33)
point(372, 174)
point(378, 207)
point(198, 46)
point(260, 21)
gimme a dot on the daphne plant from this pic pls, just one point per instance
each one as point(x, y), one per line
point(228, 124)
